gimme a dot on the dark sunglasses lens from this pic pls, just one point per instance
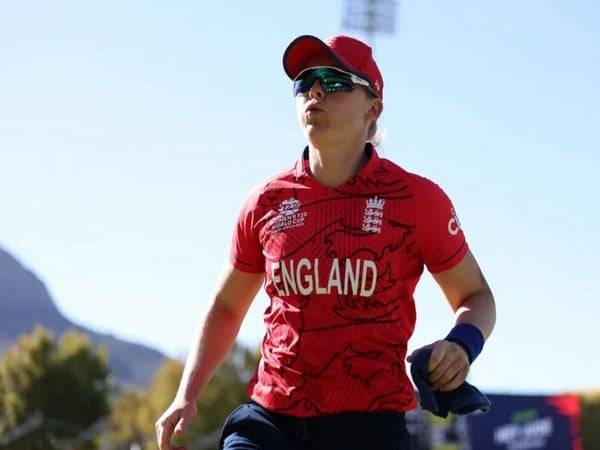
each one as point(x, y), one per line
point(331, 81)
point(336, 83)
point(303, 85)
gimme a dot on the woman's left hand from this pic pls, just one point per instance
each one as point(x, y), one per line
point(448, 365)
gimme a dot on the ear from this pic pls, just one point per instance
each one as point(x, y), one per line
point(375, 109)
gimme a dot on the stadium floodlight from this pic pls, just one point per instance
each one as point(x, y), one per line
point(370, 16)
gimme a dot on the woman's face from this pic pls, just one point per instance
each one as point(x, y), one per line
point(338, 117)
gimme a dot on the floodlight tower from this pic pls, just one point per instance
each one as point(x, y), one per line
point(370, 16)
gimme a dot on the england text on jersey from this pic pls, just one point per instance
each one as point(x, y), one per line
point(358, 277)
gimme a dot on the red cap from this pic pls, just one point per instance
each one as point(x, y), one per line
point(353, 55)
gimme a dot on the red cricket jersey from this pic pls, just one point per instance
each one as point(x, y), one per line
point(341, 267)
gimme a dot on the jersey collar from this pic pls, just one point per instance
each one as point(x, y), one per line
point(303, 165)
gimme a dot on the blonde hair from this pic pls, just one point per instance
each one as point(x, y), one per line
point(372, 130)
point(374, 135)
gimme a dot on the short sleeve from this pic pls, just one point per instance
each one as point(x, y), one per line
point(439, 233)
point(246, 251)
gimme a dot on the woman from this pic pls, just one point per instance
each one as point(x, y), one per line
point(340, 241)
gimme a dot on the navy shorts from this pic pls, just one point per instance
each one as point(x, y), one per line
point(252, 427)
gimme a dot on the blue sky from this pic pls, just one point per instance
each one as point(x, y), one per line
point(130, 133)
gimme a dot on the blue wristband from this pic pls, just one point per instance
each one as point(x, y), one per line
point(469, 337)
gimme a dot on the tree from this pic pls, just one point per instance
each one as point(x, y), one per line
point(135, 411)
point(128, 423)
point(53, 390)
point(590, 418)
point(134, 414)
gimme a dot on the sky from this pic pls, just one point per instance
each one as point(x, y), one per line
point(130, 133)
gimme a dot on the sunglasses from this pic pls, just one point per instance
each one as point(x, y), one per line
point(331, 79)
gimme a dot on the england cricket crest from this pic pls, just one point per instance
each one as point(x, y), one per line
point(373, 217)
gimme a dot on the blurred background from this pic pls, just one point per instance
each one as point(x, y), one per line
point(130, 132)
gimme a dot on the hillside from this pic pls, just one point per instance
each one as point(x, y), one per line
point(25, 302)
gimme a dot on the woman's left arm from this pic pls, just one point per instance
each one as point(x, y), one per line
point(472, 301)
point(469, 294)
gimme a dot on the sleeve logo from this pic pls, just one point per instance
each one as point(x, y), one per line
point(454, 223)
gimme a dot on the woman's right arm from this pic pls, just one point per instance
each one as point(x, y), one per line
point(214, 338)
